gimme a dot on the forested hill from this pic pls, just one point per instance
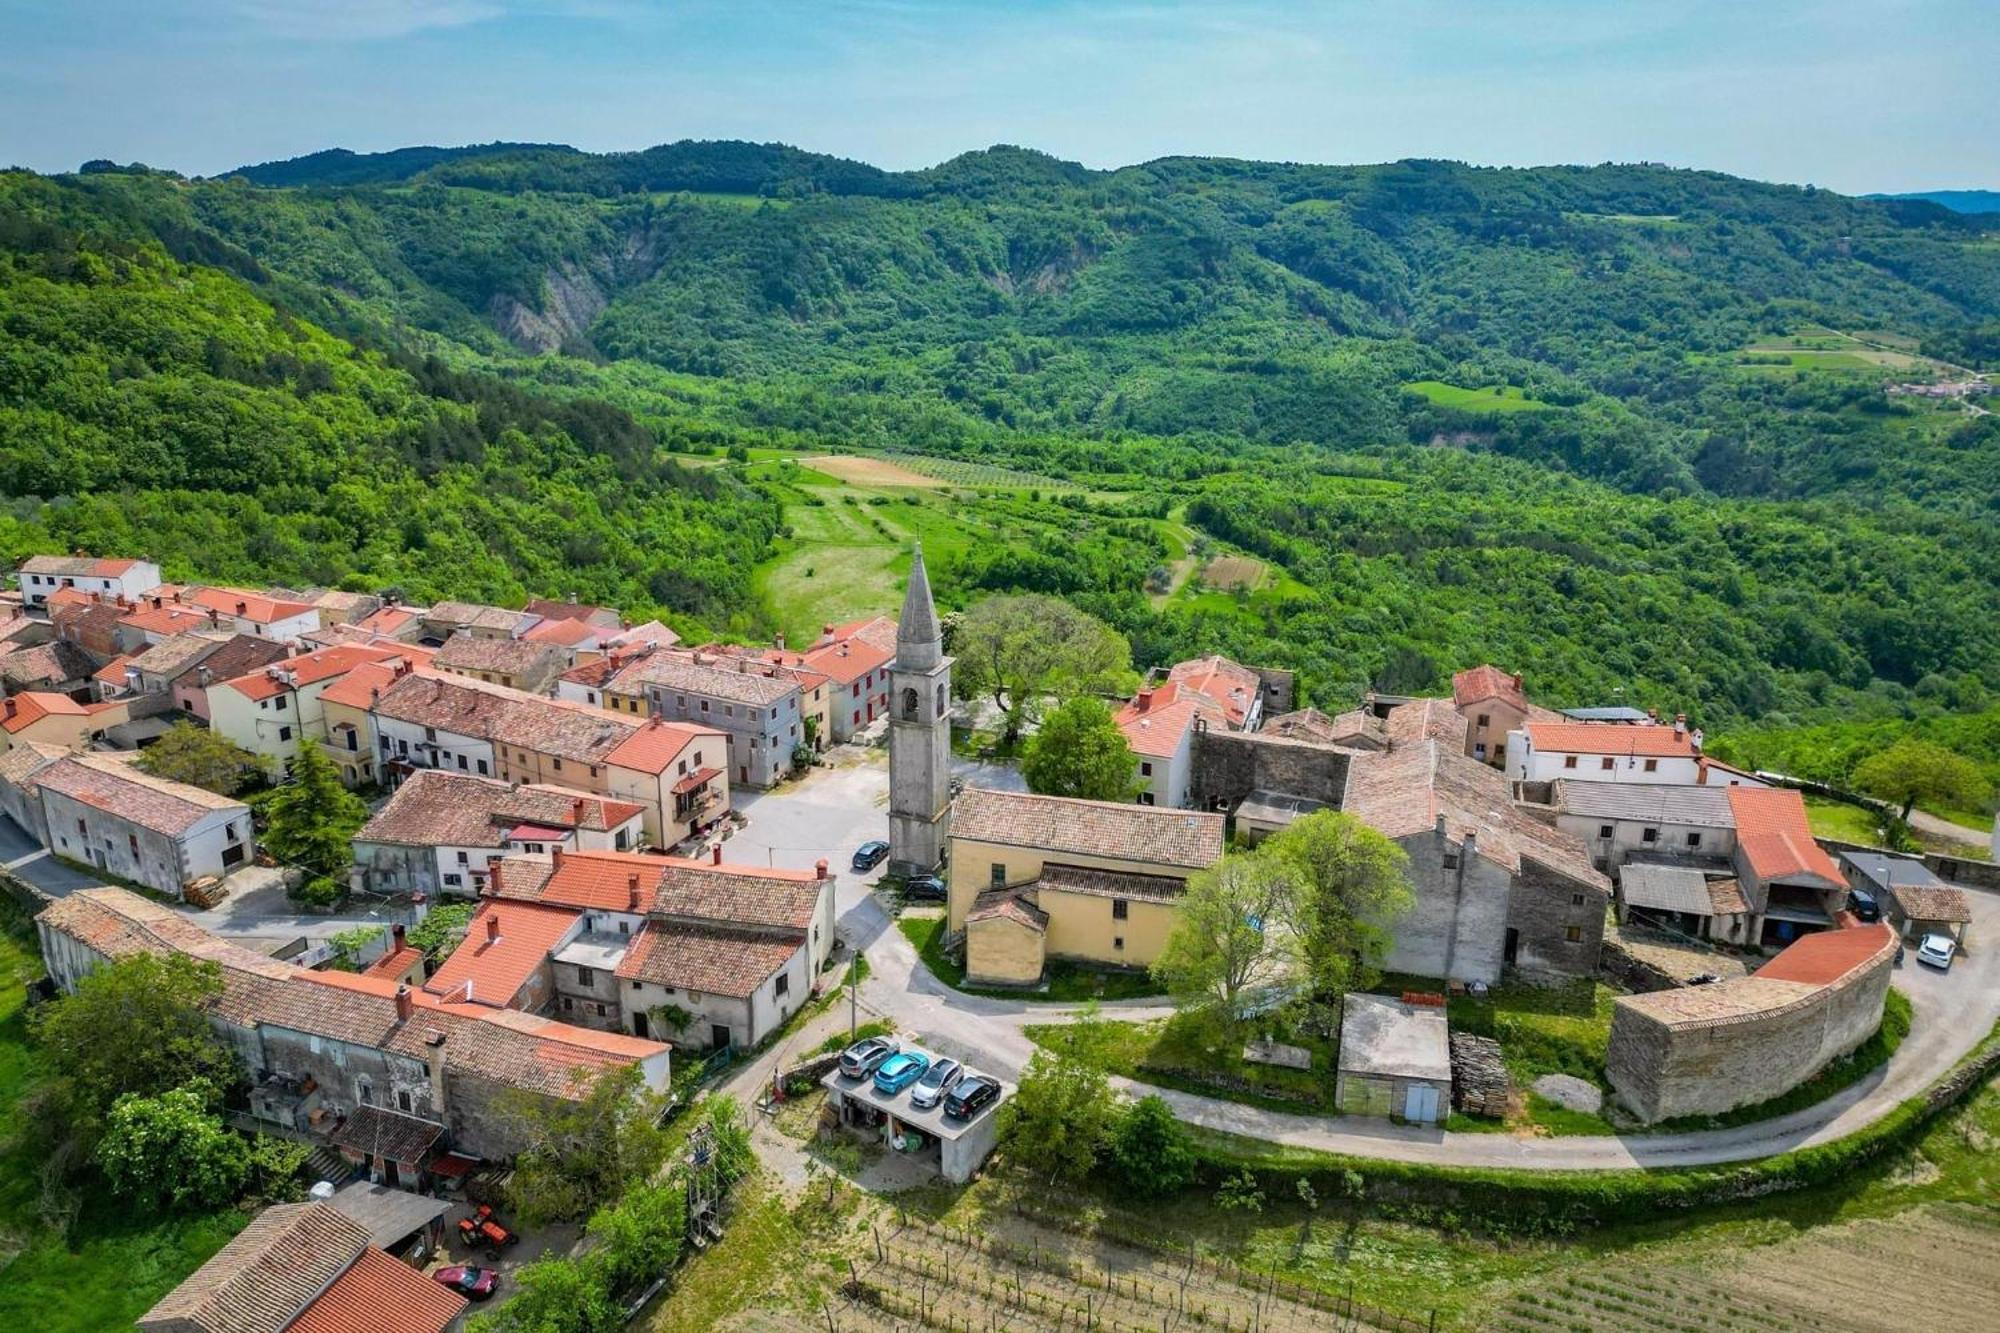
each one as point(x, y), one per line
point(1660, 395)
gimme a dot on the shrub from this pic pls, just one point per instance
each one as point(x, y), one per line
point(1149, 1150)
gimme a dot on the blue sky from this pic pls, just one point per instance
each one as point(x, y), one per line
point(1888, 95)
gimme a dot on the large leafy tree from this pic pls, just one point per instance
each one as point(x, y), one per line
point(1061, 1116)
point(201, 758)
point(1236, 931)
point(1019, 649)
point(312, 818)
point(1149, 1151)
point(1079, 751)
point(1913, 770)
point(135, 1027)
point(172, 1152)
point(1351, 884)
point(583, 1154)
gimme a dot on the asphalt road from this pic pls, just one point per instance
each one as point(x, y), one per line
point(833, 811)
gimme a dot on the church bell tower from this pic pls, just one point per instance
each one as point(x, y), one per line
point(919, 733)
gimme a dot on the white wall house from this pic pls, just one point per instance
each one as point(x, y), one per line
point(102, 811)
point(1604, 752)
point(41, 575)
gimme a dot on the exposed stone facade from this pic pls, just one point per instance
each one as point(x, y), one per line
point(1229, 765)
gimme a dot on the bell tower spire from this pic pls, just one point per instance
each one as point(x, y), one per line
point(919, 732)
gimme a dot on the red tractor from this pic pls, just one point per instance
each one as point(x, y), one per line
point(483, 1231)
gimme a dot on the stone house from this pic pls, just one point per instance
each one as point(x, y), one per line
point(238, 655)
point(519, 664)
point(1395, 1059)
point(104, 811)
point(1103, 879)
point(442, 621)
point(1618, 821)
point(20, 793)
point(280, 619)
point(757, 705)
point(1493, 703)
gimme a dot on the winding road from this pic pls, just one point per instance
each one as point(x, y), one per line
point(840, 808)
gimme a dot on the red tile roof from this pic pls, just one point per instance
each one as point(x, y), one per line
point(566, 633)
point(1481, 683)
point(257, 606)
point(266, 1274)
point(1824, 957)
point(716, 960)
point(848, 660)
point(388, 620)
point(31, 706)
point(307, 669)
point(357, 688)
point(118, 787)
point(604, 881)
point(487, 970)
point(1156, 720)
point(1653, 742)
point(1773, 835)
point(1230, 684)
point(651, 748)
point(165, 620)
point(1116, 830)
point(395, 962)
point(378, 1294)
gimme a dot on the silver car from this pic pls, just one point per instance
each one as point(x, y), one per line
point(1937, 951)
point(939, 1079)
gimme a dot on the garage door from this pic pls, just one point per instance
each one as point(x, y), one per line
point(1421, 1103)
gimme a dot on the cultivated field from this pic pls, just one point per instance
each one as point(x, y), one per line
point(1227, 573)
point(1930, 1267)
point(1499, 398)
point(862, 470)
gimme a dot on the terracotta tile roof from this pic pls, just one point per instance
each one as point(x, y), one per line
point(554, 609)
point(1931, 902)
point(1310, 724)
point(1157, 720)
point(566, 633)
point(1707, 765)
point(23, 760)
point(359, 687)
point(92, 623)
point(306, 669)
point(595, 674)
point(715, 960)
point(1110, 883)
point(516, 657)
point(171, 656)
point(395, 962)
point(1481, 683)
point(648, 632)
point(654, 746)
point(117, 787)
point(1827, 956)
point(1773, 836)
point(389, 620)
point(505, 716)
point(1407, 789)
point(1007, 905)
point(520, 878)
point(379, 1294)
point(168, 619)
point(1109, 829)
point(601, 881)
point(472, 615)
point(848, 660)
point(252, 606)
point(1651, 742)
point(876, 631)
point(1235, 686)
point(1425, 720)
point(241, 654)
point(435, 808)
point(380, 1132)
point(740, 895)
point(739, 681)
point(47, 664)
point(31, 706)
point(112, 673)
point(1725, 898)
point(1723, 1002)
point(502, 1046)
point(266, 1274)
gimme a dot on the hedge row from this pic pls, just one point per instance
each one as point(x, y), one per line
point(1562, 1202)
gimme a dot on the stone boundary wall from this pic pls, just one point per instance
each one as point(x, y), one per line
point(1663, 1071)
point(1628, 972)
point(1228, 765)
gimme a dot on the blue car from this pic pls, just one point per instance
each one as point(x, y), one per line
point(899, 1071)
point(869, 855)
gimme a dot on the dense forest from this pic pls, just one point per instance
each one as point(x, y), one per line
point(1619, 427)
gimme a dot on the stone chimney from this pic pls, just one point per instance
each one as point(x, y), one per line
point(556, 855)
point(396, 934)
point(576, 810)
point(819, 868)
point(12, 708)
point(715, 852)
point(1146, 699)
point(492, 927)
point(493, 878)
point(405, 1006)
point(632, 891)
point(1680, 725)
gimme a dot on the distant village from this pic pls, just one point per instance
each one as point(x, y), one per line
point(575, 777)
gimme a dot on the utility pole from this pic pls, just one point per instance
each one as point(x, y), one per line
point(853, 999)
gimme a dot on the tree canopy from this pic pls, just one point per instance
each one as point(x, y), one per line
point(1018, 649)
point(1079, 751)
point(1912, 770)
point(202, 758)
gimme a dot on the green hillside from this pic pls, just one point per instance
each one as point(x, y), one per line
point(1579, 420)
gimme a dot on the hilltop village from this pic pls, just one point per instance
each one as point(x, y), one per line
point(660, 860)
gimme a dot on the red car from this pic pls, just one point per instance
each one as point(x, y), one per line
point(475, 1284)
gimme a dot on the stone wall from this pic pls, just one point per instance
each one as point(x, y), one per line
point(1279, 689)
point(394, 870)
point(1543, 908)
point(1662, 1072)
point(127, 850)
point(1456, 930)
point(1229, 765)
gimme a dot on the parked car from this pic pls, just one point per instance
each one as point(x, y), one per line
point(468, 1280)
point(865, 1056)
point(939, 1079)
point(925, 887)
point(1862, 903)
point(869, 855)
point(973, 1093)
point(899, 1071)
point(1937, 950)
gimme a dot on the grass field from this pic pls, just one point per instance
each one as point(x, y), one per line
point(862, 470)
point(1839, 820)
point(112, 1269)
point(1499, 398)
point(1066, 982)
point(1185, 1053)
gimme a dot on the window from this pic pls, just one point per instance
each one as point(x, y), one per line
point(704, 705)
point(454, 880)
point(464, 860)
point(403, 1099)
point(1482, 720)
point(1145, 798)
point(284, 733)
point(1120, 909)
point(568, 1003)
point(1650, 835)
point(784, 986)
point(998, 872)
point(1604, 830)
point(133, 840)
point(556, 764)
point(600, 1011)
point(583, 976)
point(1574, 934)
point(635, 985)
point(279, 703)
point(1652, 765)
point(1576, 900)
point(482, 768)
point(366, 1092)
point(681, 769)
point(1145, 770)
point(1569, 761)
point(1118, 942)
point(1605, 763)
point(1451, 860)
